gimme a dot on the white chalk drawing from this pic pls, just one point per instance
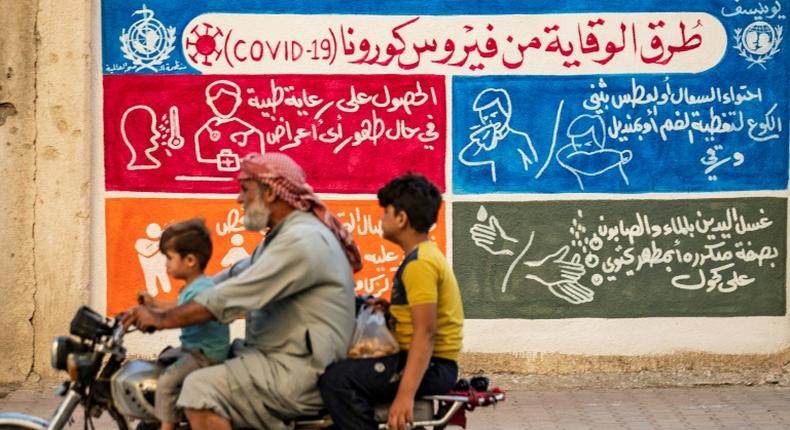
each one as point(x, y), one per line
point(711, 160)
point(586, 154)
point(360, 223)
point(727, 242)
point(152, 261)
point(147, 43)
point(558, 273)
point(218, 140)
point(235, 253)
point(233, 226)
point(175, 141)
point(758, 42)
point(125, 67)
point(493, 142)
point(144, 146)
point(591, 146)
point(725, 256)
point(137, 118)
point(327, 124)
point(375, 286)
point(671, 113)
point(222, 140)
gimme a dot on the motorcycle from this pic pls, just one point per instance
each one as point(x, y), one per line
point(102, 380)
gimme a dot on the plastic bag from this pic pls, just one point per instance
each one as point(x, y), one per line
point(371, 336)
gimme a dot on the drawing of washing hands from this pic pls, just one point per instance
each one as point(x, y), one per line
point(563, 276)
point(559, 274)
point(489, 235)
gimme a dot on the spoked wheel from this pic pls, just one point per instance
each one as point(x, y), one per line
point(14, 421)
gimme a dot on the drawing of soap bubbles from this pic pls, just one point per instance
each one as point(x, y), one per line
point(596, 243)
point(591, 260)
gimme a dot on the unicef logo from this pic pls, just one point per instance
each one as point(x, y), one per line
point(758, 42)
point(147, 43)
point(758, 38)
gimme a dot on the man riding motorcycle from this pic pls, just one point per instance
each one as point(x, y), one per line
point(296, 292)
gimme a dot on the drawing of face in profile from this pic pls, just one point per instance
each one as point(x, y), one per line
point(138, 129)
point(224, 98)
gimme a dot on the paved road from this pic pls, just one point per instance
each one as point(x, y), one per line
point(727, 407)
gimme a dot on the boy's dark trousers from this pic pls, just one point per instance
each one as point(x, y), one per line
point(352, 387)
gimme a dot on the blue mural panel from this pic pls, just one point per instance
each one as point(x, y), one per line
point(623, 134)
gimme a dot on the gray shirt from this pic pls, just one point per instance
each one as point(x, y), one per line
point(297, 293)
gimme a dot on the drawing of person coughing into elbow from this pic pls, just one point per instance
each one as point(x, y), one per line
point(586, 155)
point(508, 152)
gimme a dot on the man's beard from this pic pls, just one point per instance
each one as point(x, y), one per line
point(256, 215)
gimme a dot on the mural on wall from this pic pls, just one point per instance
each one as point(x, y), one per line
point(711, 257)
point(492, 101)
point(618, 134)
point(134, 225)
point(180, 133)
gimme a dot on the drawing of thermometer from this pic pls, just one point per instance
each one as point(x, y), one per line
point(176, 141)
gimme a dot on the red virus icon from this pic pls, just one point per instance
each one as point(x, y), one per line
point(204, 44)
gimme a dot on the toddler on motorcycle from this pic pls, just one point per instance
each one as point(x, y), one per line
point(187, 246)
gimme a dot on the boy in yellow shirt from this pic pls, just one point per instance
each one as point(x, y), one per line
point(428, 312)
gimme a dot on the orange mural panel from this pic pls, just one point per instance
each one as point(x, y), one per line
point(134, 263)
point(380, 258)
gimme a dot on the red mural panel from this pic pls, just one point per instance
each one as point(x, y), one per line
point(350, 133)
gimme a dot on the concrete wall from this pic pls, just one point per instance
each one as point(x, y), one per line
point(17, 166)
point(45, 130)
point(49, 125)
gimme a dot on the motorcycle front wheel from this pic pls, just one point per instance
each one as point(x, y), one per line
point(15, 421)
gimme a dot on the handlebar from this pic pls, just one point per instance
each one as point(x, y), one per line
point(117, 333)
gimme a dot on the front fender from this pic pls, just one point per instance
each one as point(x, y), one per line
point(22, 421)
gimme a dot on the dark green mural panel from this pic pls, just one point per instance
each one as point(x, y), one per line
point(621, 258)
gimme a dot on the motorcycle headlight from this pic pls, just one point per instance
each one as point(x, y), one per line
point(79, 365)
point(62, 346)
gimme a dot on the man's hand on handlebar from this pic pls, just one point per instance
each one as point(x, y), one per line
point(143, 298)
point(142, 317)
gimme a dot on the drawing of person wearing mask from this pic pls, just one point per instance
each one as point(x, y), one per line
point(508, 152)
point(586, 155)
point(224, 139)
